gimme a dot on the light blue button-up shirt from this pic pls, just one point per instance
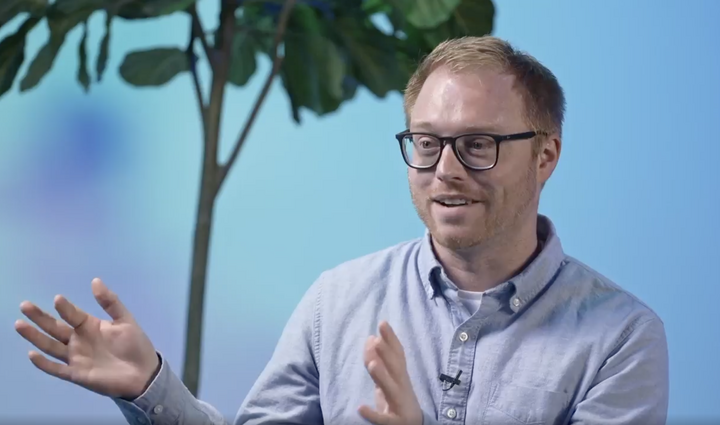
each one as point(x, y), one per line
point(557, 344)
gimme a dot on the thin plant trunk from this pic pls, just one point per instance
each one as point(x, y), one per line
point(198, 278)
point(213, 173)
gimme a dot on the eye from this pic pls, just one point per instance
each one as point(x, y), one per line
point(479, 144)
point(476, 144)
point(426, 143)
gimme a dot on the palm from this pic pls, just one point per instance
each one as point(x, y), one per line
point(102, 356)
point(113, 358)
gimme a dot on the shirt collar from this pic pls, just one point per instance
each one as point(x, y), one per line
point(527, 284)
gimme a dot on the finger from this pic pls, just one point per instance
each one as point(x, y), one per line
point(370, 353)
point(374, 416)
point(53, 327)
point(387, 333)
point(43, 342)
point(385, 382)
point(380, 402)
point(69, 312)
point(50, 367)
point(109, 301)
point(378, 349)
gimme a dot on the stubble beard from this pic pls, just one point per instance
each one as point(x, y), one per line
point(500, 217)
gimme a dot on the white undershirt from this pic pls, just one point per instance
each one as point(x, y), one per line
point(471, 300)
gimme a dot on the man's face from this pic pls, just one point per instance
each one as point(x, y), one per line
point(480, 101)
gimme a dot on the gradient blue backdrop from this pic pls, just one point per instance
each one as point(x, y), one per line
point(105, 185)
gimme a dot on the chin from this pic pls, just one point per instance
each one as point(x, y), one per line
point(457, 237)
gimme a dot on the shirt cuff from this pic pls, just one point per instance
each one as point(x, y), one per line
point(160, 403)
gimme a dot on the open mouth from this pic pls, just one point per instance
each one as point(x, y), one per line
point(454, 202)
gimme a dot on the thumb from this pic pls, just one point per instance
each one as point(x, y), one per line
point(110, 302)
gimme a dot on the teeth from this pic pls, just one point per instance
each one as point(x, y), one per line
point(455, 202)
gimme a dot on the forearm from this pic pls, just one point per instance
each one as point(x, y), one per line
point(287, 390)
point(167, 401)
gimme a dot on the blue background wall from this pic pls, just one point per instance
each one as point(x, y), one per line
point(105, 185)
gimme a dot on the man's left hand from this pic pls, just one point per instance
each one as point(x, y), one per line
point(396, 403)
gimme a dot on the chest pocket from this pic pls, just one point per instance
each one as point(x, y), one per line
point(519, 405)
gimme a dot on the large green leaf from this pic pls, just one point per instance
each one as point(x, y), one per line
point(372, 7)
point(83, 73)
point(145, 9)
point(70, 7)
point(9, 9)
point(374, 56)
point(243, 63)
point(41, 64)
point(254, 33)
point(470, 18)
point(426, 13)
point(62, 17)
point(313, 70)
point(104, 48)
point(261, 25)
point(154, 67)
point(12, 54)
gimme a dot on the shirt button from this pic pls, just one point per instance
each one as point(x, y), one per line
point(158, 409)
point(463, 336)
point(451, 413)
point(516, 302)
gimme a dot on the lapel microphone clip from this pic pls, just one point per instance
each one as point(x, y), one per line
point(450, 380)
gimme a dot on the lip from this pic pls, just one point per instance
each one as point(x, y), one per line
point(454, 214)
point(440, 199)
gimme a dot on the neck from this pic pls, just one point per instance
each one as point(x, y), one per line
point(493, 262)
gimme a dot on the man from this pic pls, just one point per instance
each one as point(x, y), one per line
point(484, 320)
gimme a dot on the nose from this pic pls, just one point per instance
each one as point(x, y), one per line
point(449, 167)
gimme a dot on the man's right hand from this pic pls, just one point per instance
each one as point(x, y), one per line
point(113, 358)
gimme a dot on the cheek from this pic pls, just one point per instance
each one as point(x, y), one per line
point(488, 184)
point(508, 179)
point(420, 181)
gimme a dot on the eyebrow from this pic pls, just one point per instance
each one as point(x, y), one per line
point(424, 126)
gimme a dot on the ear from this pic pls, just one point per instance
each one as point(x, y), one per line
point(548, 156)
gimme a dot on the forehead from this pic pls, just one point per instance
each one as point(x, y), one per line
point(452, 102)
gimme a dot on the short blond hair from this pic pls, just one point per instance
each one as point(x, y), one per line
point(541, 93)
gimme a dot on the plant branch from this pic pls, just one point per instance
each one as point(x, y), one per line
point(276, 62)
point(196, 81)
point(199, 32)
point(222, 56)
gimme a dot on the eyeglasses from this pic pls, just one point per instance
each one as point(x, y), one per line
point(476, 151)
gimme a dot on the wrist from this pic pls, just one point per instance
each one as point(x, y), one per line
point(155, 367)
point(147, 378)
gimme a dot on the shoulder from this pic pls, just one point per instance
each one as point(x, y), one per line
point(372, 267)
point(378, 261)
point(355, 288)
point(361, 285)
point(605, 301)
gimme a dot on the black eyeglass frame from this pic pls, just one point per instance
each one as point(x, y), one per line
point(452, 141)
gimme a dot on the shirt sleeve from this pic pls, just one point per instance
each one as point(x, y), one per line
point(287, 390)
point(632, 386)
point(167, 401)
